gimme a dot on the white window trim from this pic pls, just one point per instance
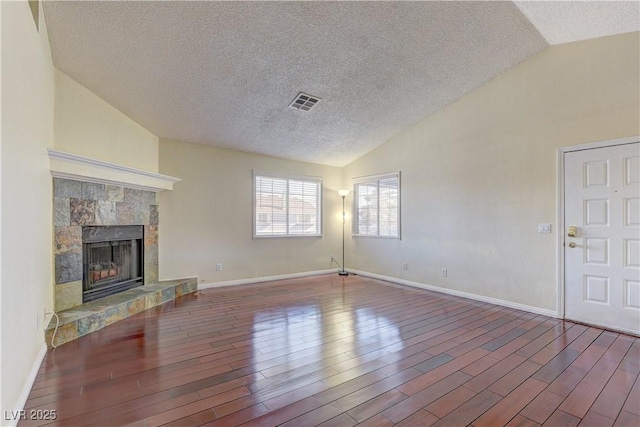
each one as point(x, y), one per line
point(370, 178)
point(288, 177)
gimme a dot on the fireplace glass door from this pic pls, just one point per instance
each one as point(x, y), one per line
point(112, 265)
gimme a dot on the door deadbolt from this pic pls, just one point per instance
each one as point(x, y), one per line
point(572, 231)
point(572, 245)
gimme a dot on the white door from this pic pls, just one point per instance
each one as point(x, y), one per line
point(602, 261)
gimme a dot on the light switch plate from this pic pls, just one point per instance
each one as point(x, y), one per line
point(544, 228)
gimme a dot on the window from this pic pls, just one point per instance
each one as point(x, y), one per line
point(376, 206)
point(287, 206)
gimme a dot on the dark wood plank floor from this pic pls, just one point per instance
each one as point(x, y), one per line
point(337, 351)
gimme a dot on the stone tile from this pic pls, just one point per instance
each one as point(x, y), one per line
point(153, 299)
point(92, 191)
point(67, 239)
point(66, 188)
point(68, 295)
point(136, 306)
point(72, 315)
point(83, 212)
point(61, 211)
point(112, 315)
point(150, 235)
point(142, 214)
point(168, 294)
point(149, 198)
point(154, 215)
point(68, 267)
point(64, 334)
point(150, 264)
point(192, 285)
point(150, 275)
point(105, 213)
point(114, 193)
point(125, 213)
point(90, 324)
point(132, 195)
point(183, 289)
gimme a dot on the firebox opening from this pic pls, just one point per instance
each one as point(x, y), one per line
point(112, 260)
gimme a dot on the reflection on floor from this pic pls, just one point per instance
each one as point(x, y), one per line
point(341, 351)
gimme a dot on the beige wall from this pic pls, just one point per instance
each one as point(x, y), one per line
point(477, 178)
point(207, 218)
point(88, 126)
point(27, 132)
point(479, 175)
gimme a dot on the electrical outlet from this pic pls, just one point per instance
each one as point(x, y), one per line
point(405, 266)
point(444, 272)
point(219, 267)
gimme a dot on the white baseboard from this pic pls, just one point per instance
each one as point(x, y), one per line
point(264, 279)
point(496, 301)
point(537, 310)
point(28, 385)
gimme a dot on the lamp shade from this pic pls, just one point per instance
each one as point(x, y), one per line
point(343, 193)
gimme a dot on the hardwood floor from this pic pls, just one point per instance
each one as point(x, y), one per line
point(337, 351)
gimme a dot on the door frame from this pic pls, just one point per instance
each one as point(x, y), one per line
point(560, 270)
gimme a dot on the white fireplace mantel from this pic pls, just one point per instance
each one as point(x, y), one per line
point(80, 168)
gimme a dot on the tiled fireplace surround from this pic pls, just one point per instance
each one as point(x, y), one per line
point(77, 204)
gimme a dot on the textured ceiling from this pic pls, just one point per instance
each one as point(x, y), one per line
point(570, 21)
point(224, 73)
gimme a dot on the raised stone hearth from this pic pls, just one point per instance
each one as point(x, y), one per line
point(97, 195)
point(93, 316)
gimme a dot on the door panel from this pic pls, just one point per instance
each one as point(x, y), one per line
point(602, 261)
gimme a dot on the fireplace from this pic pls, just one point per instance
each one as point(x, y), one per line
point(112, 260)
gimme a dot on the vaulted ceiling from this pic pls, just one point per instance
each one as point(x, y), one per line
point(225, 73)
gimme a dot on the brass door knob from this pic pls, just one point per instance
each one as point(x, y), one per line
point(572, 231)
point(572, 245)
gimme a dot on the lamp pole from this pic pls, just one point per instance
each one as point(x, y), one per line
point(343, 194)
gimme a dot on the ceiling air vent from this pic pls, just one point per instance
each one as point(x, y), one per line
point(304, 102)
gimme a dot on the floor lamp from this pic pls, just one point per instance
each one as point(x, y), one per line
point(343, 194)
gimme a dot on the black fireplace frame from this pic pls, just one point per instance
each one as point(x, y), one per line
point(106, 234)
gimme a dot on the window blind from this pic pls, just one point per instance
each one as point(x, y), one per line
point(287, 206)
point(377, 205)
